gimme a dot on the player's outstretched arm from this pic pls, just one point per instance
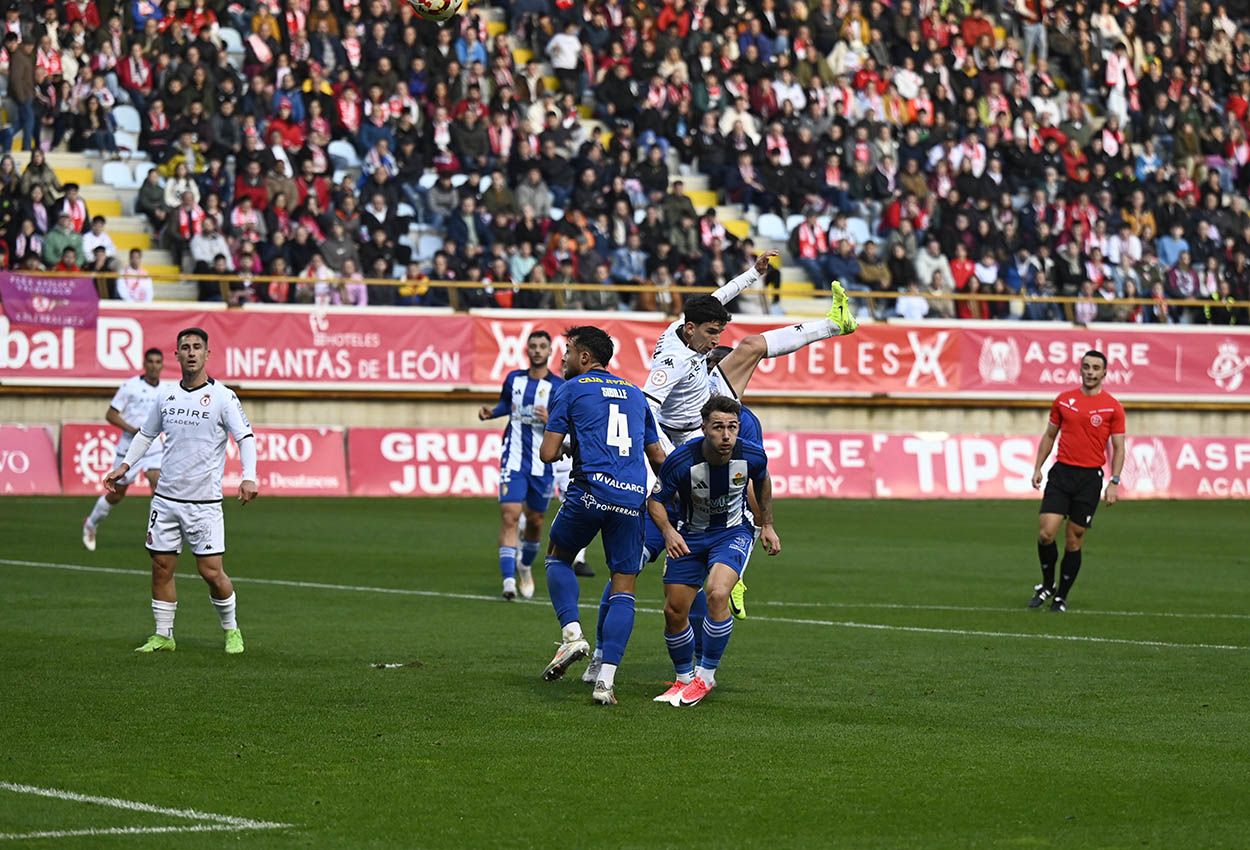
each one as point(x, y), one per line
point(734, 288)
point(764, 496)
point(1043, 451)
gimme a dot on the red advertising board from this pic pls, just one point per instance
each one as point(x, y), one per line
point(414, 349)
point(260, 348)
point(290, 461)
point(27, 461)
point(851, 465)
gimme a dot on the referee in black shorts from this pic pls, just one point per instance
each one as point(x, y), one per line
point(1083, 419)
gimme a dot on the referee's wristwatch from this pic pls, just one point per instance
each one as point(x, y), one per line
point(1115, 479)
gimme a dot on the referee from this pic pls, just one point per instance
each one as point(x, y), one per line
point(1083, 419)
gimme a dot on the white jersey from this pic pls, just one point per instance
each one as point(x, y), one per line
point(195, 424)
point(677, 386)
point(134, 400)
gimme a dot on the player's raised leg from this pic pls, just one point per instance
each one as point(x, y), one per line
point(738, 367)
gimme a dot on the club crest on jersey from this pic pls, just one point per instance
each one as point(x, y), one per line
point(739, 479)
point(1095, 420)
point(659, 377)
point(205, 400)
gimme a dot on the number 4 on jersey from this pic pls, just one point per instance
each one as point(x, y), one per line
point(618, 430)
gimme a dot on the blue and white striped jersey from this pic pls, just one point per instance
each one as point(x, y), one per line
point(523, 434)
point(710, 498)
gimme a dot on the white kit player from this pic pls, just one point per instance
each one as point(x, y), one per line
point(197, 416)
point(679, 385)
point(128, 410)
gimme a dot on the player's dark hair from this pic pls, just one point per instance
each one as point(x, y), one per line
point(592, 340)
point(716, 355)
point(540, 335)
point(1093, 352)
point(200, 332)
point(720, 404)
point(705, 308)
point(152, 351)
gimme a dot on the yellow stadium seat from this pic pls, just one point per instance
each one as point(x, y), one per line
point(552, 83)
point(125, 241)
point(522, 55)
point(605, 139)
point(737, 227)
point(107, 207)
point(163, 272)
point(701, 198)
point(494, 28)
point(81, 176)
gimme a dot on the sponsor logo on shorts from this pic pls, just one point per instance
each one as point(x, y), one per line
point(741, 544)
point(600, 478)
point(595, 505)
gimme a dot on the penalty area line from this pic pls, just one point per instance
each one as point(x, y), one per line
point(840, 624)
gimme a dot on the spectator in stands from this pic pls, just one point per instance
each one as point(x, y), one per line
point(63, 236)
point(134, 284)
point(97, 238)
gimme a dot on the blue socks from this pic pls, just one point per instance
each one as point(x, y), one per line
point(507, 561)
point(603, 614)
point(698, 613)
point(617, 625)
point(715, 639)
point(681, 650)
point(529, 551)
point(562, 588)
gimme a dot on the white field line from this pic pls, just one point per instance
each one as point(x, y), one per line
point(214, 822)
point(478, 597)
point(1083, 612)
point(123, 830)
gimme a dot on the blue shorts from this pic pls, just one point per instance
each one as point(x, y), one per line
point(730, 546)
point(533, 490)
point(582, 516)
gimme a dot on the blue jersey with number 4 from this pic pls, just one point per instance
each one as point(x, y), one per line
point(610, 424)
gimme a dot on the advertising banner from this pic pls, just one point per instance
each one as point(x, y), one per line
point(850, 465)
point(393, 349)
point(290, 461)
point(56, 302)
point(27, 461)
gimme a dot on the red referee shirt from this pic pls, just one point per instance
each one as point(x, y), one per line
point(1085, 424)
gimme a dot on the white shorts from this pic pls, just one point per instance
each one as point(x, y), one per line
point(201, 523)
point(562, 469)
point(150, 462)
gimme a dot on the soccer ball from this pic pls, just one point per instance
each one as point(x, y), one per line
point(436, 10)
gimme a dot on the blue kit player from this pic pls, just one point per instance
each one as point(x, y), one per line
point(612, 436)
point(525, 481)
point(750, 430)
point(707, 477)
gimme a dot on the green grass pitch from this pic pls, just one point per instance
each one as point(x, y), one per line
point(889, 690)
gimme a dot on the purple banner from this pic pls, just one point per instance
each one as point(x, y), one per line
point(57, 302)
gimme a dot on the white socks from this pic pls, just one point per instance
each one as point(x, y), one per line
point(793, 337)
point(571, 632)
point(164, 614)
point(99, 512)
point(607, 675)
point(707, 675)
point(225, 611)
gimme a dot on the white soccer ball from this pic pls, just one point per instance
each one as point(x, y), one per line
point(436, 10)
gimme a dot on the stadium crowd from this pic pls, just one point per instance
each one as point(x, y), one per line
point(921, 146)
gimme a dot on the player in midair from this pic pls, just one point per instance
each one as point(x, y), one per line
point(1083, 419)
point(707, 478)
point(612, 436)
point(196, 415)
point(525, 482)
point(678, 385)
point(128, 411)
